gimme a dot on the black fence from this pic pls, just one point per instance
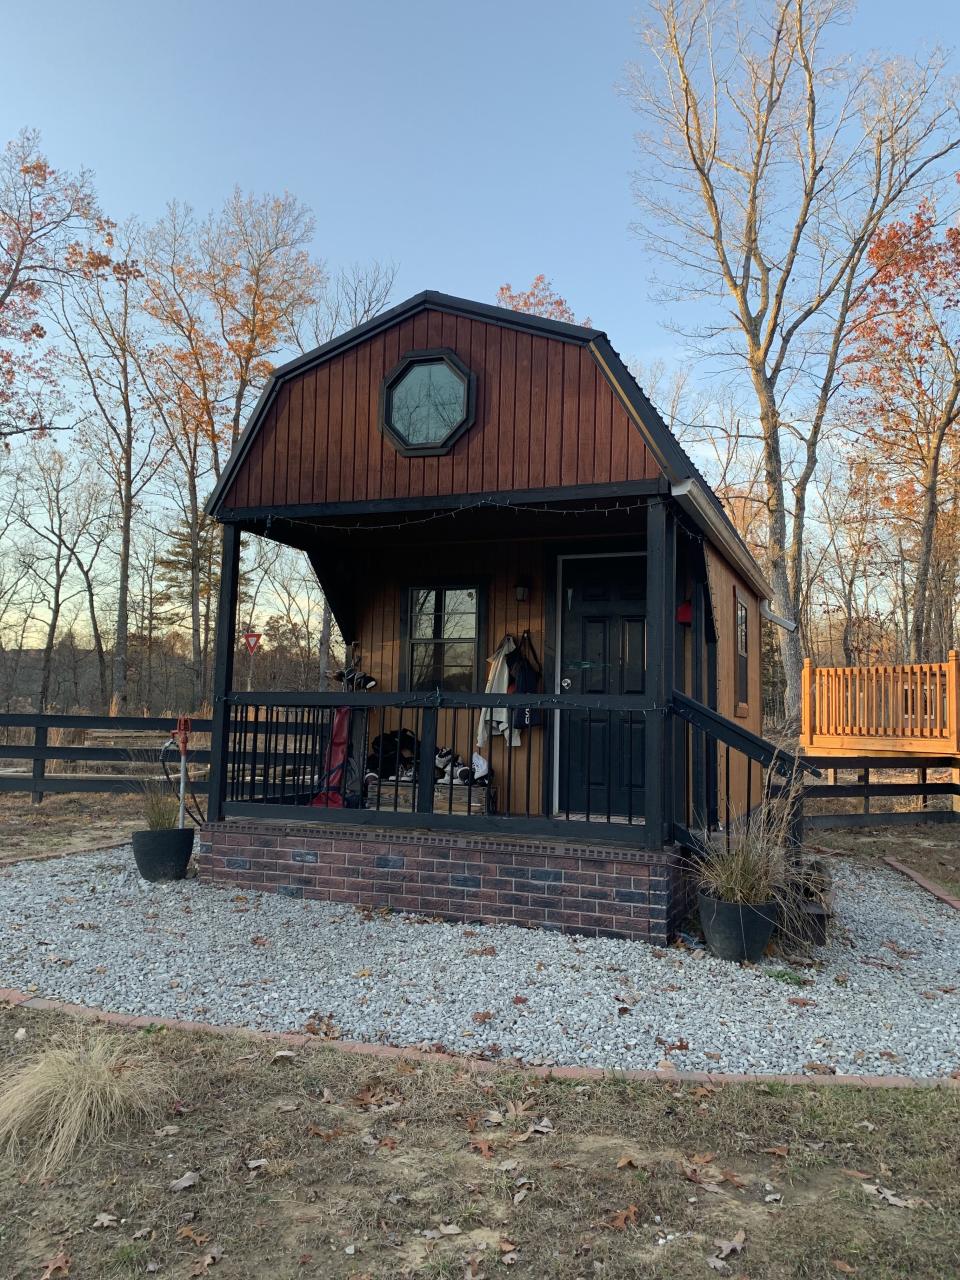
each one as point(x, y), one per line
point(44, 749)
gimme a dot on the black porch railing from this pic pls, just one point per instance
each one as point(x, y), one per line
point(403, 757)
point(598, 767)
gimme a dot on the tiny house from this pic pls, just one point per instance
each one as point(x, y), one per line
point(552, 691)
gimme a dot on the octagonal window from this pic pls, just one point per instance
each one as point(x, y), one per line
point(427, 402)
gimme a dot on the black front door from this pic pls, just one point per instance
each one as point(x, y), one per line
point(602, 606)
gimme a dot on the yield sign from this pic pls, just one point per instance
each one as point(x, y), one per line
point(251, 639)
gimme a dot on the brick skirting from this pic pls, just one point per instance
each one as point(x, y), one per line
point(554, 884)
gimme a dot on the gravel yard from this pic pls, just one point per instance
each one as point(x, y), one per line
point(881, 999)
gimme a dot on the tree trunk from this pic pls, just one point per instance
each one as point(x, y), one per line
point(323, 649)
point(121, 641)
point(928, 525)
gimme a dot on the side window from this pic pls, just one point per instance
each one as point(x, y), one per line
point(742, 651)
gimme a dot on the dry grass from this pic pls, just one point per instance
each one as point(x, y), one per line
point(367, 1160)
point(72, 1096)
point(161, 807)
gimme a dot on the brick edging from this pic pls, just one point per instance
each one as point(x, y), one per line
point(23, 999)
point(931, 886)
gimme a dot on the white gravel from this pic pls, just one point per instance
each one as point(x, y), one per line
point(886, 990)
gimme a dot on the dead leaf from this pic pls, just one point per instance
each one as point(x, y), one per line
point(733, 1178)
point(193, 1237)
point(485, 1016)
point(209, 1259)
point(702, 1157)
point(259, 940)
point(782, 1152)
point(714, 1057)
point(626, 1217)
point(328, 1135)
point(145, 1233)
point(167, 1131)
point(521, 1000)
point(855, 1173)
point(58, 1266)
point(627, 1162)
point(103, 1220)
point(716, 1264)
point(801, 1002)
point(288, 1106)
point(680, 1045)
point(865, 1124)
point(844, 1268)
point(820, 1068)
point(282, 1055)
point(189, 1179)
point(364, 973)
point(482, 1147)
point(521, 1195)
point(726, 1247)
point(255, 1166)
point(449, 1229)
point(483, 951)
point(885, 1194)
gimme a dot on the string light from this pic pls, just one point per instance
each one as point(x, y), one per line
point(544, 509)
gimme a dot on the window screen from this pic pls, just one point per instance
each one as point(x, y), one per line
point(443, 638)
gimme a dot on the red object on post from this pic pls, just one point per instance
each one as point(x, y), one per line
point(181, 734)
point(685, 613)
point(251, 639)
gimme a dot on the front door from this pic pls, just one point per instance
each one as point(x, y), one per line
point(600, 762)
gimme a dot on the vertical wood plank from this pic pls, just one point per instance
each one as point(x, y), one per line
point(507, 448)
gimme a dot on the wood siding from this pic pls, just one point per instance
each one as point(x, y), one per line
point(546, 417)
point(496, 567)
point(724, 584)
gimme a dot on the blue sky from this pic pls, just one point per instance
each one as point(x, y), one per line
point(470, 143)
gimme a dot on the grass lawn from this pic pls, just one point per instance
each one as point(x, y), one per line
point(331, 1165)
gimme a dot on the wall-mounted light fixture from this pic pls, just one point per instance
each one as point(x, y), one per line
point(522, 588)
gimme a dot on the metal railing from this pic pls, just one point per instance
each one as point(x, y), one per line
point(394, 756)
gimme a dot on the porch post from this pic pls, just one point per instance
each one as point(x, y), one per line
point(661, 622)
point(223, 671)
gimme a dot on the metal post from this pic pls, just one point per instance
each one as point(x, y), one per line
point(427, 765)
point(223, 671)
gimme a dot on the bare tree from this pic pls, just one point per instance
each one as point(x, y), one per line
point(354, 295)
point(769, 165)
point(101, 322)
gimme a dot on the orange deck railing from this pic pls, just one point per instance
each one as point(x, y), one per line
point(910, 708)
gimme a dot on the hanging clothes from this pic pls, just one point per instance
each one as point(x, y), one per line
point(495, 721)
point(525, 676)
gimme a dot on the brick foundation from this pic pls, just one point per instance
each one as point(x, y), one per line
point(562, 885)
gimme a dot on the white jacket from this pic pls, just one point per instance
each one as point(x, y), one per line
point(496, 720)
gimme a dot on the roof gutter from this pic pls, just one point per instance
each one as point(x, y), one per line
point(691, 498)
point(767, 612)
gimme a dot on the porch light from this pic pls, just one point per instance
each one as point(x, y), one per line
point(522, 590)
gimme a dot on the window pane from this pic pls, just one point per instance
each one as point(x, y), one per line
point(458, 679)
point(424, 606)
point(427, 403)
point(425, 666)
point(458, 654)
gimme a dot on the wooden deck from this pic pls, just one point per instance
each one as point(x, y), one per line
point(884, 711)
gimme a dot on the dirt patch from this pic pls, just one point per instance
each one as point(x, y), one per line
point(324, 1164)
point(65, 823)
point(932, 851)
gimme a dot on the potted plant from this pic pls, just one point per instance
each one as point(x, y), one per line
point(746, 876)
point(163, 850)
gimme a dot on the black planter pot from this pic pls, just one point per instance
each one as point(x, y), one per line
point(736, 931)
point(163, 855)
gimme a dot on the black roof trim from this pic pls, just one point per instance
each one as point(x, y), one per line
point(428, 298)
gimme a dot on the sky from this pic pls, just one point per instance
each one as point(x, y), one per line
point(470, 143)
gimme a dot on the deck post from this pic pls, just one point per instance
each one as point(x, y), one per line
point(226, 641)
point(806, 705)
point(39, 763)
